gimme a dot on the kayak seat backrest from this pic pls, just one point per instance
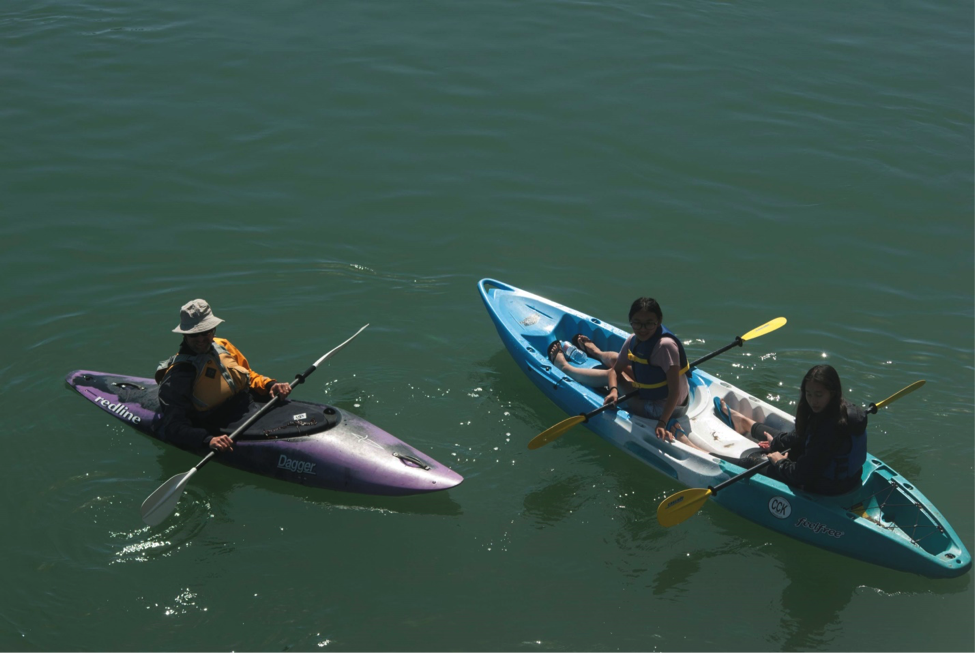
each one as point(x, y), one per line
point(698, 395)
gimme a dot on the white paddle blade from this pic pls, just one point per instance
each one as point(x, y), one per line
point(162, 502)
point(337, 349)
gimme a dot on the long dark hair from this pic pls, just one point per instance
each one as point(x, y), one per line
point(646, 304)
point(835, 412)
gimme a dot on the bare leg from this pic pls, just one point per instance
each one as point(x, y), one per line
point(592, 377)
point(743, 425)
point(586, 376)
point(607, 358)
point(680, 436)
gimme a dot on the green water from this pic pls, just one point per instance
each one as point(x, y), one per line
point(308, 167)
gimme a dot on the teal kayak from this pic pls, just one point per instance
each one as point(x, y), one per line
point(887, 521)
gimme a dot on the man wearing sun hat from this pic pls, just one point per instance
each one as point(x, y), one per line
point(200, 384)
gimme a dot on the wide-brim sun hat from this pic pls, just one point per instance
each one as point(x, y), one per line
point(196, 317)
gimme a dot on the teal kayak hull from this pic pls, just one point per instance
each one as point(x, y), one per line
point(887, 521)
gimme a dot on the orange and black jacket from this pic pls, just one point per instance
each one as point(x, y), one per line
point(199, 394)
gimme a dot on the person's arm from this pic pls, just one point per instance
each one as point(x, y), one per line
point(667, 358)
point(784, 441)
point(614, 372)
point(673, 390)
point(262, 385)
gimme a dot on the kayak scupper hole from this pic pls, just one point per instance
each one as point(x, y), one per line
point(329, 411)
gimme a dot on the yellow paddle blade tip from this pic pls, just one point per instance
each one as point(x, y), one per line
point(679, 507)
point(906, 391)
point(768, 327)
point(555, 432)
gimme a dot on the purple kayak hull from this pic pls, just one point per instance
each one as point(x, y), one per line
point(352, 455)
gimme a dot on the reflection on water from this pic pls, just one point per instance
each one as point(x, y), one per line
point(555, 501)
point(144, 544)
point(820, 584)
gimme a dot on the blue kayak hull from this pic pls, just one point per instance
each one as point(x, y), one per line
point(887, 521)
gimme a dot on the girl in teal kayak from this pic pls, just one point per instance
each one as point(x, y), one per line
point(828, 446)
point(652, 360)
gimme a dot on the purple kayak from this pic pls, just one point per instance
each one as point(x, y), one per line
point(300, 442)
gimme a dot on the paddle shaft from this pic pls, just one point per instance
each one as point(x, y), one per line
point(745, 474)
point(737, 343)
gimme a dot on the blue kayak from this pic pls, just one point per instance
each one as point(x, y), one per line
point(887, 521)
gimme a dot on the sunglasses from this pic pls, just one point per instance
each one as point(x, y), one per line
point(201, 334)
point(643, 325)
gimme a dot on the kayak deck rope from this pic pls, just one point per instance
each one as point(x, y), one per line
point(268, 433)
point(888, 513)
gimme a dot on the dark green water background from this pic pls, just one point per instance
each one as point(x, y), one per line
point(310, 166)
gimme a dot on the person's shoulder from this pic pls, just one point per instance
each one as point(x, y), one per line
point(226, 344)
point(856, 419)
point(854, 424)
point(668, 343)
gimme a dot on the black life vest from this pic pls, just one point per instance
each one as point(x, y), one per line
point(848, 465)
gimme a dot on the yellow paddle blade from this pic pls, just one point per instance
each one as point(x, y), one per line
point(906, 391)
point(555, 432)
point(768, 327)
point(675, 509)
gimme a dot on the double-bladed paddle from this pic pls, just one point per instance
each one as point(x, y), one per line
point(675, 509)
point(555, 432)
point(163, 501)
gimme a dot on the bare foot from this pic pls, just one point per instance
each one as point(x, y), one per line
point(587, 346)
